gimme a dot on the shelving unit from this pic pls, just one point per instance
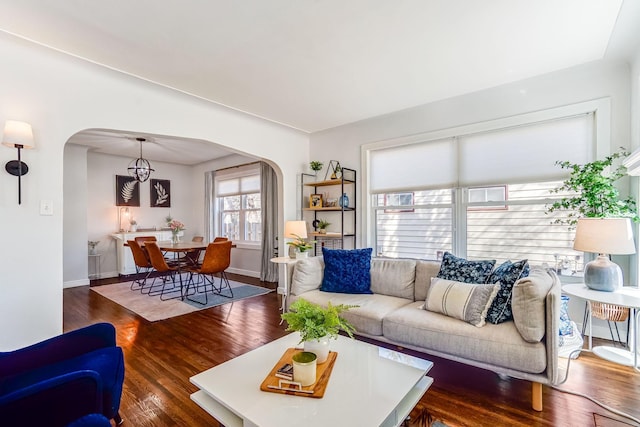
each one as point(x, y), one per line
point(342, 231)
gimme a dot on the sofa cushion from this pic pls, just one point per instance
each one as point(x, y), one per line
point(498, 345)
point(425, 271)
point(307, 275)
point(347, 271)
point(462, 270)
point(529, 302)
point(393, 277)
point(507, 274)
point(367, 318)
point(465, 301)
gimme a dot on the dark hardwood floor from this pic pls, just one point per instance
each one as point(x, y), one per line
point(161, 356)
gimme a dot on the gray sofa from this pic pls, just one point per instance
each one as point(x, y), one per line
point(525, 348)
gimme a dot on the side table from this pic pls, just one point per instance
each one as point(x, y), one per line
point(283, 288)
point(625, 297)
point(96, 265)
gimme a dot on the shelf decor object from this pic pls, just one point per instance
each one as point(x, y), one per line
point(604, 236)
point(335, 169)
point(17, 135)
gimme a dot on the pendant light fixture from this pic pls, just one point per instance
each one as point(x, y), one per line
point(140, 168)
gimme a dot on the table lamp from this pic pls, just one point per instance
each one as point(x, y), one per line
point(295, 230)
point(604, 236)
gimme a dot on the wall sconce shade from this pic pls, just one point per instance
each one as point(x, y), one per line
point(17, 135)
point(140, 168)
point(604, 236)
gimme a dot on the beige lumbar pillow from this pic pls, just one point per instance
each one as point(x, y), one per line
point(465, 301)
point(307, 275)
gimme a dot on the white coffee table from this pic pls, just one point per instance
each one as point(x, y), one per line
point(369, 386)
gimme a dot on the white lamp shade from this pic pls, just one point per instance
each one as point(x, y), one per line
point(605, 236)
point(17, 133)
point(298, 228)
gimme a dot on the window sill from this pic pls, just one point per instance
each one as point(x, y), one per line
point(248, 246)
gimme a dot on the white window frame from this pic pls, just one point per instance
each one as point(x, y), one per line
point(601, 108)
point(242, 172)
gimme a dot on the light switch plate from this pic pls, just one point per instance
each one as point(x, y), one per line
point(46, 207)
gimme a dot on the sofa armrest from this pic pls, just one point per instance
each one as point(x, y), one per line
point(58, 348)
point(54, 401)
point(552, 335)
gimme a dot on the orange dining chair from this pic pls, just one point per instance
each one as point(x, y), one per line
point(160, 265)
point(143, 265)
point(217, 259)
point(220, 239)
point(193, 257)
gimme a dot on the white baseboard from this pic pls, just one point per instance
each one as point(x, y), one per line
point(249, 273)
point(75, 283)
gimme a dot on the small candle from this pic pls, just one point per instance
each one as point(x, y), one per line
point(304, 368)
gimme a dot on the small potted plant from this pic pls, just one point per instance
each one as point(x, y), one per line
point(301, 246)
point(133, 225)
point(92, 246)
point(322, 226)
point(317, 324)
point(315, 165)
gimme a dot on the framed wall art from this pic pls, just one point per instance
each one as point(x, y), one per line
point(160, 193)
point(127, 191)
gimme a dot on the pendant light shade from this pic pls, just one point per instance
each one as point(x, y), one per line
point(140, 168)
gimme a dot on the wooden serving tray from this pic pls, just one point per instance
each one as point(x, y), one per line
point(323, 372)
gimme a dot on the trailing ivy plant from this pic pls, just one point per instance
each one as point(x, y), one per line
point(595, 195)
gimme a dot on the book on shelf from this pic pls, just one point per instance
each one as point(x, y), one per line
point(285, 372)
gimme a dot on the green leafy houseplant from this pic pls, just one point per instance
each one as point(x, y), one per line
point(315, 322)
point(595, 194)
point(323, 224)
point(315, 165)
point(300, 244)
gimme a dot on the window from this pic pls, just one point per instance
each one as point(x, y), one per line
point(239, 205)
point(398, 199)
point(482, 194)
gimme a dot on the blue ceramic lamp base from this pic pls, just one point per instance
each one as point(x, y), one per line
point(603, 275)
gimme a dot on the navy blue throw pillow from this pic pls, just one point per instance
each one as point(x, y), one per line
point(462, 270)
point(347, 271)
point(506, 274)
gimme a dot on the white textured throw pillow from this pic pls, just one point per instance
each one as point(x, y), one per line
point(465, 301)
point(307, 275)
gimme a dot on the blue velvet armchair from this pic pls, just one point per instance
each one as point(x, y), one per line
point(62, 379)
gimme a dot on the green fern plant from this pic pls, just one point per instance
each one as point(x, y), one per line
point(595, 195)
point(314, 321)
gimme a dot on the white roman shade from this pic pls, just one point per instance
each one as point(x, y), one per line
point(418, 166)
point(525, 153)
point(238, 180)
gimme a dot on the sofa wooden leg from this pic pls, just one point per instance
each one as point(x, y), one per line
point(118, 419)
point(536, 396)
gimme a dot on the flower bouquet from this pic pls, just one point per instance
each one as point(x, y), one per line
point(176, 227)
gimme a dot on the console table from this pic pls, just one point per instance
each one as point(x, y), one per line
point(624, 297)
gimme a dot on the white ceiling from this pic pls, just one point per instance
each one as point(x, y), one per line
point(313, 65)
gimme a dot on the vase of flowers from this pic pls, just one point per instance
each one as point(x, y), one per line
point(176, 227)
point(92, 246)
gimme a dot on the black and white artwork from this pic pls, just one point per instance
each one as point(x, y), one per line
point(160, 196)
point(127, 191)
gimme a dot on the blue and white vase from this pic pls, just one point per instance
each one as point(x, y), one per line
point(344, 200)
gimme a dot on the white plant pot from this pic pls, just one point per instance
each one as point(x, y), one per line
point(319, 347)
point(302, 255)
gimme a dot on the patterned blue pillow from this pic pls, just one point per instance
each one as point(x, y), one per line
point(462, 270)
point(566, 328)
point(507, 274)
point(347, 271)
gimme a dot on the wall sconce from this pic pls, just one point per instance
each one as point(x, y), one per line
point(17, 135)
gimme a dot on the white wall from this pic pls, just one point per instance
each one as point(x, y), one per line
point(75, 250)
point(578, 84)
point(60, 96)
